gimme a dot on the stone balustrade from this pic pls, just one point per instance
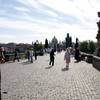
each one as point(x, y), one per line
point(96, 62)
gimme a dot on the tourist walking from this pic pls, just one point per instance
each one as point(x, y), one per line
point(31, 55)
point(67, 57)
point(52, 58)
point(28, 55)
point(16, 55)
point(2, 55)
point(35, 55)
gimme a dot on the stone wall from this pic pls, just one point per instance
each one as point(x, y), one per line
point(96, 62)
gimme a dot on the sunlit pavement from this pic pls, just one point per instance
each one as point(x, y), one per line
point(39, 81)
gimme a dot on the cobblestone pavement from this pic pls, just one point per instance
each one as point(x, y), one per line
point(38, 81)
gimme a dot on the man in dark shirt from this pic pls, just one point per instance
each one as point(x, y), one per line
point(52, 57)
point(16, 54)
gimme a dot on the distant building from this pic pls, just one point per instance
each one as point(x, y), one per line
point(23, 47)
point(10, 47)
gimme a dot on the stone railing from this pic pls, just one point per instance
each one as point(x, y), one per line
point(87, 57)
point(96, 62)
point(90, 58)
point(10, 57)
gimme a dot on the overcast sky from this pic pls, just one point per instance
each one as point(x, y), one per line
point(29, 20)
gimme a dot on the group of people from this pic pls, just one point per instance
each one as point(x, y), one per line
point(30, 55)
point(4, 58)
point(16, 55)
point(67, 56)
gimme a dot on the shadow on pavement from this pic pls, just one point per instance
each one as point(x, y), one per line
point(48, 67)
point(47, 60)
point(97, 68)
point(65, 69)
point(10, 62)
point(26, 63)
point(76, 61)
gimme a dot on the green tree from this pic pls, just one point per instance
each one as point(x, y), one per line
point(84, 46)
point(91, 46)
point(88, 46)
point(35, 46)
point(40, 46)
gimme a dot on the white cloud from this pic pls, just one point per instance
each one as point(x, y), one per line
point(22, 9)
point(20, 25)
point(30, 3)
point(6, 36)
point(64, 6)
point(52, 14)
point(38, 26)
point(79, 8)
point(84, 10)
point(59, 30)
point(2, 11)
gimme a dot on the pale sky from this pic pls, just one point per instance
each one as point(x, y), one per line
point(30, 20)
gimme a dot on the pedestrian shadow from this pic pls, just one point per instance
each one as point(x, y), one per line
point(76, 61)
point(10, 62)
point(97, 67)
point(65, 69)
point(48, 67)
point(47, 60)
point(26, 63)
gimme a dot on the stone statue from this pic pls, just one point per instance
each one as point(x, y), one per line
point(98, 38)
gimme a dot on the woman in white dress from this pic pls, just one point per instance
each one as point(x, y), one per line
point(67, 57)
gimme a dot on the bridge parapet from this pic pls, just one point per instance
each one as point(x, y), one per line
point(87, 57)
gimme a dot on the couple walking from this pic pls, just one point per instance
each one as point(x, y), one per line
point(66, 57)
point(30, 55)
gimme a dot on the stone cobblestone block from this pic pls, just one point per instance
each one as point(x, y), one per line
point(39, 81)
